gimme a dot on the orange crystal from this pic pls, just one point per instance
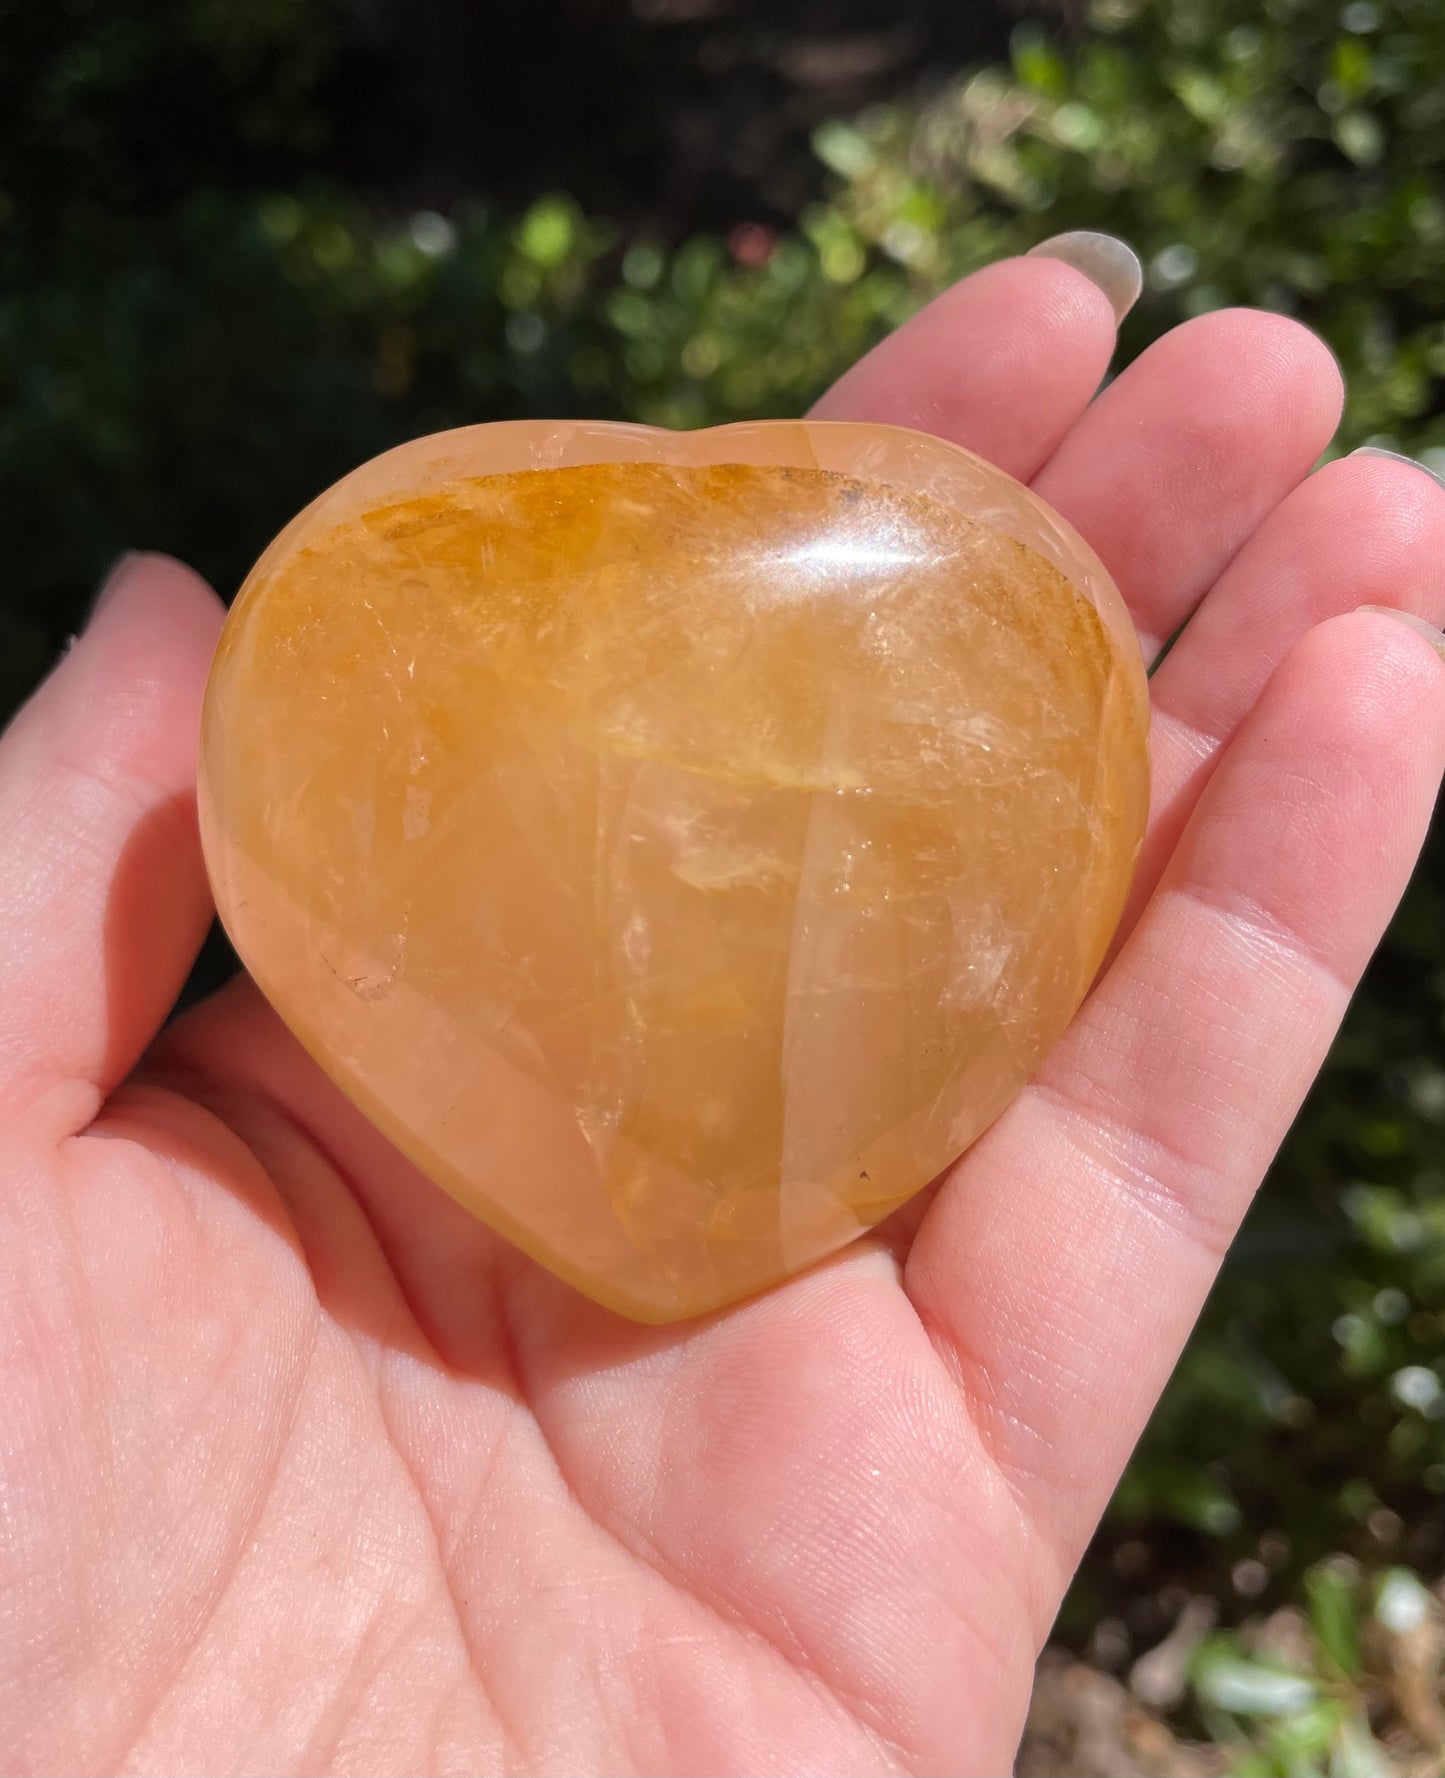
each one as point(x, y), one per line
point(681, 846)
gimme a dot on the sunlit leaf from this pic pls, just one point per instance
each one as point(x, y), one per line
point(1231, 1681)
point(1331, 1588)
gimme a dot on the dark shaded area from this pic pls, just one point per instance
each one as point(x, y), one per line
point(677, 113)
point(174, 376)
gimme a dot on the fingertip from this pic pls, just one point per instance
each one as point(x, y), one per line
point(1003, 363)
point(1362, 695)
point(1414, 624)
point(147, 649)
point(141, 656)
point(1110, 264)
point(1189, 449)
point(1299, 361)
point(142, 584)
point(1376, 453)
point(1055, 308)
point(111, 583)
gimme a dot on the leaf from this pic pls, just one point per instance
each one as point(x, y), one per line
point(843, 149)
point(1357, 1754)
point(1230, 1681)
point(1359, 135)
point(1401, 1602)
point(549, 230)
point(1332, 1589)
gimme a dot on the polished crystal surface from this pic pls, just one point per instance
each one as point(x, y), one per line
point(681, 845)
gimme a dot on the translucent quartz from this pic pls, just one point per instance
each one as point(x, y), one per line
point(680, 845)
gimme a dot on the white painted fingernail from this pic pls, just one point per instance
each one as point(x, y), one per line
point(1421, 627)
point(1104, 260)
point(1398, 457)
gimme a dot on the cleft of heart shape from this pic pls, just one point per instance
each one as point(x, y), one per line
point(680, 845)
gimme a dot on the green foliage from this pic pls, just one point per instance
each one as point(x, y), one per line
point(1311, 1692)
point(201, 325)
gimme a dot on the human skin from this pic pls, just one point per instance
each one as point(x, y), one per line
point(303, 1470)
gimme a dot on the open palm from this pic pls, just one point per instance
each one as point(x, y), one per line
point(302, 1470)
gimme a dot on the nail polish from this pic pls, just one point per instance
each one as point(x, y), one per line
point(1421, 626)
point(1398, 457)
point(1104, 260)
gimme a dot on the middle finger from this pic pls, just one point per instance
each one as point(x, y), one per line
point(1185, 453)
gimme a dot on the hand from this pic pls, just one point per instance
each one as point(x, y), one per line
point(302, 1470)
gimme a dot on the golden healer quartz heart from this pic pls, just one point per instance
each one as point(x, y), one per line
point(680, 845)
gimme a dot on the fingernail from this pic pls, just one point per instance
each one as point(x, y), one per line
point(1421, 627)
point(115, 578)
point(1104, 260)
point(1398, 457)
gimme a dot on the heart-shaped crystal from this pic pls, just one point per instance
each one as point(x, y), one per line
point(680, 845)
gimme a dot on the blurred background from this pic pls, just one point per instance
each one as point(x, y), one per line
point(245, 244)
